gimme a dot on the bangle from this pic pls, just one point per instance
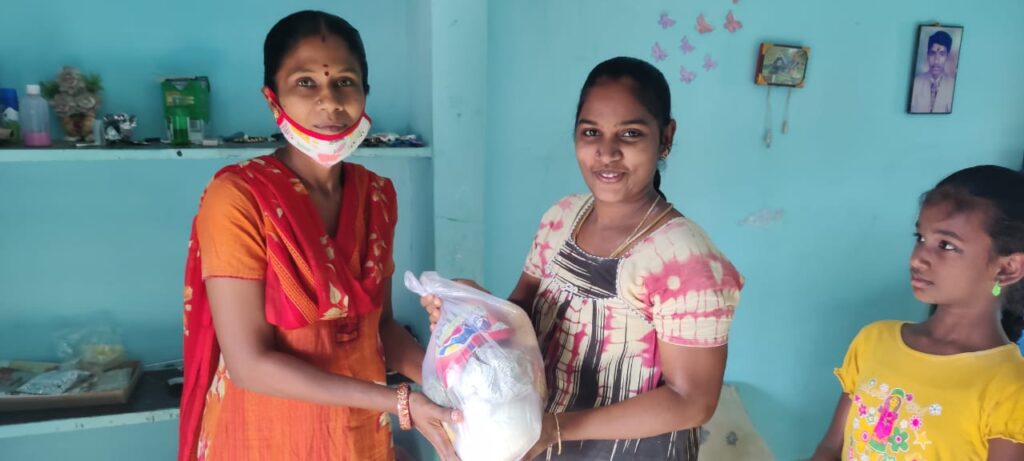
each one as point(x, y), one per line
point(404, 416)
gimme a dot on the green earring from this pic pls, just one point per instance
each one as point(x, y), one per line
point(997, 290)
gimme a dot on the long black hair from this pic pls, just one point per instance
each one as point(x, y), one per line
point(999, 193)
point(650, 88)
point(295, 27)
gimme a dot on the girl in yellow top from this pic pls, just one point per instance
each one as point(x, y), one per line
point(952, 387)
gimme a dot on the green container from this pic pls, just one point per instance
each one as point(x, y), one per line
point(186, 108)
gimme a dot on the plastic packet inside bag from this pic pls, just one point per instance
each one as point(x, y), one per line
point(96, 348)
point(483, 359)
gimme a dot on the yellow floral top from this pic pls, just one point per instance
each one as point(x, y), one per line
point(907, 405)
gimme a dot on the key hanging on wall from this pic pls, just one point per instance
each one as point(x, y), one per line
point(768, 118)
point(780, 65)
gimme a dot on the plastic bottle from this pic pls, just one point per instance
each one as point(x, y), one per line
point(35, 118)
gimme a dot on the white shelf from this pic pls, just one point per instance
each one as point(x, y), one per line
point(166, 152)
point(88, 422)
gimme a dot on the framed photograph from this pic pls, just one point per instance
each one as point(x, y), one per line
point(782, 65)
point(935, 67)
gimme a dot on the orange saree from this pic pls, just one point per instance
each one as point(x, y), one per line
point(323, 296)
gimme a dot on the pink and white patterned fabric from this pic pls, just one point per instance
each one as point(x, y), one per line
point(599, 320)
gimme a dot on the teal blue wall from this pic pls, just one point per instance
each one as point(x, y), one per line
point(847, 176)
point(459, 72)
point(132, 45)
point(150, 442)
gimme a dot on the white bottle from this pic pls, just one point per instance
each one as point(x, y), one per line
point(35, 118)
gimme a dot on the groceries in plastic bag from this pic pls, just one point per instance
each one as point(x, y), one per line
point(483, 359)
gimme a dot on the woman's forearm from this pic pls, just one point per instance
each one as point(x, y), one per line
point(282, 375)
point(652, 413)
point(401, 351)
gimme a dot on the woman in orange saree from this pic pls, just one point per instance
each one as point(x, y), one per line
point(288, 327)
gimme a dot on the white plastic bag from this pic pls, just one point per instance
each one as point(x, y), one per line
point(483, 359)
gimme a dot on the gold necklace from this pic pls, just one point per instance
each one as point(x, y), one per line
point(632, 235)
point(629, 241)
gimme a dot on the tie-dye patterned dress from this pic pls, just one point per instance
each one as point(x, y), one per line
point(598, 320)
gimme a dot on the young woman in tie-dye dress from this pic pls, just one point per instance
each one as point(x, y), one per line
point(631, 300)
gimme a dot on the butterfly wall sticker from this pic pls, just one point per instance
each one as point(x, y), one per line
point(685, 75)
point(702, 25)
point(709, 64)
point(665, 22)
point(731, 24)
point(685, 45)
point(657, 53)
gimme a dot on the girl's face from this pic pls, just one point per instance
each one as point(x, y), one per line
point(618, 142)
point(320, 85)
point(953, 261)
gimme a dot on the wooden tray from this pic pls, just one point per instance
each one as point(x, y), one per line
point(83, 399)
